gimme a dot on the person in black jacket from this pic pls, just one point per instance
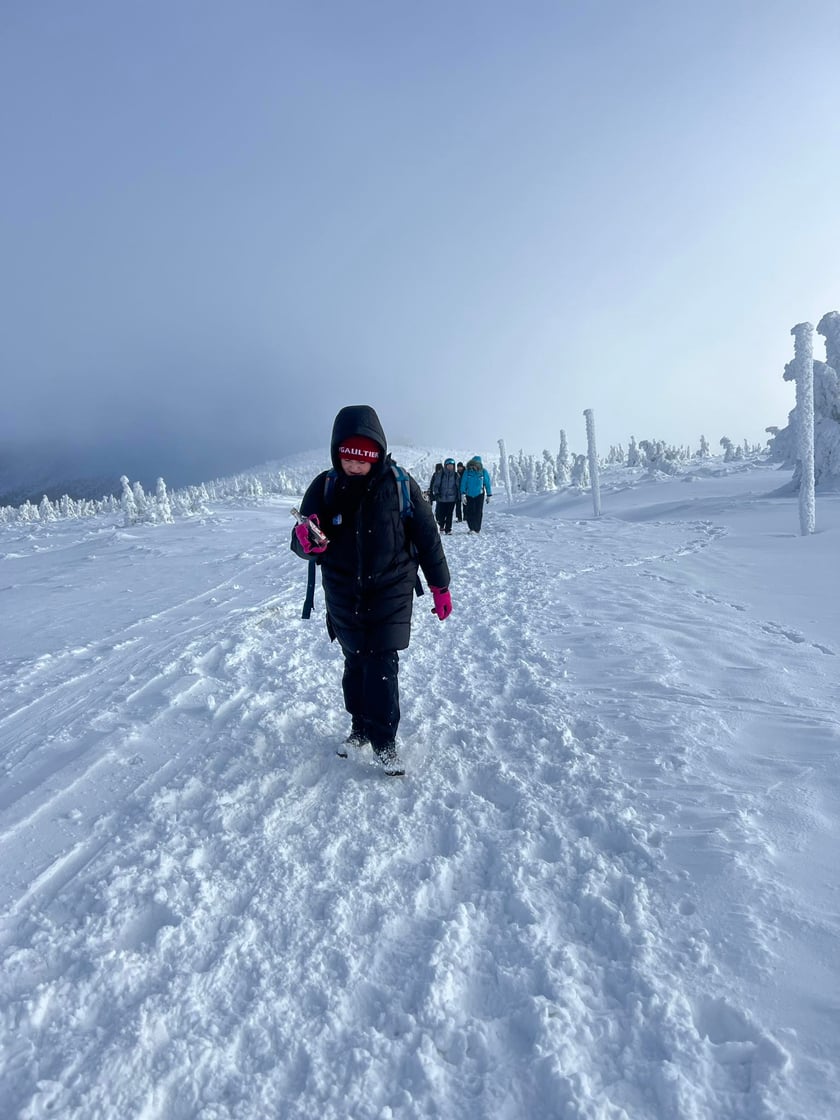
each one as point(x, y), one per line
point(459, 470)
point(447, 493)
point(433, 483)
point(368, 571)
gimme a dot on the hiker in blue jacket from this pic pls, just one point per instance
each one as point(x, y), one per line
point(375, 543)
point(475, 486)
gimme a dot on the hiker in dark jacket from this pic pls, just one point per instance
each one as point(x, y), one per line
point(459, 470)
point(433, 482)
point(447, 493)
point(369, 570)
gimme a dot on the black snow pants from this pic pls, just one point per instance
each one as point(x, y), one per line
point(474, 512)
point(372, 694)
point(443, 512)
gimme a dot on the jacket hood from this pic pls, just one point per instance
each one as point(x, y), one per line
point(357, 420)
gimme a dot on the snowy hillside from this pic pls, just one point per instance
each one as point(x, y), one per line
point(31, 475)
point(606, 888)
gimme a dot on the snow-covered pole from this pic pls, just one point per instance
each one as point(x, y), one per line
point(593, 461)
point(505, 471)
point(803, 359)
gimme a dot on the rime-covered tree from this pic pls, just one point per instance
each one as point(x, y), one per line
point(145, 509)
point(783, 443)
point(562, 470)
point(127, 502)
point(656, 456)
point(193, 499)
point(549, 468)
point(514, 474)
point(580, 471)
point(164, 508)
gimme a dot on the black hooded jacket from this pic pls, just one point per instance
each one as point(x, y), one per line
point(370, 566)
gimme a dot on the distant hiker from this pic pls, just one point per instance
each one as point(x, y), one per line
point(433, 482)
point(447, 494)
point(475, 486)
point(459, 470)
point(379, 529)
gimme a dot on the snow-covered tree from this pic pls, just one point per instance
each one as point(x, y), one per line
point(783, 446)
point(514, 475)
point(580, 471)
point(127, 502)
point(549, 465)
point(164, 509)
point(192, 500)
point(68, 507)
point(562, 470)
point(656, 456)
point(145, 509)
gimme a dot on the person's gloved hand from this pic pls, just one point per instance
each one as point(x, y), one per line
point(487, 498)
point(443, 602)
point(304, 539)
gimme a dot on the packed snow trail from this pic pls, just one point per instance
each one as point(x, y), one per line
point(210, 915)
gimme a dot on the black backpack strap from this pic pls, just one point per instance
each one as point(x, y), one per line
point(406, 511)
point(329, 483)
point(309, 601)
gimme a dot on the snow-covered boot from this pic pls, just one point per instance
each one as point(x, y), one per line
point(356, 738)
point(390, 761)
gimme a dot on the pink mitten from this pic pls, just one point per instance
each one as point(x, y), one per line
point(443, 602)
point(309, 546)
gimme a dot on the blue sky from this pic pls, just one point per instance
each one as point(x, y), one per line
point(221, 222)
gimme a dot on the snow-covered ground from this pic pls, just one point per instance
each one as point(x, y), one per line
point(606, 889)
